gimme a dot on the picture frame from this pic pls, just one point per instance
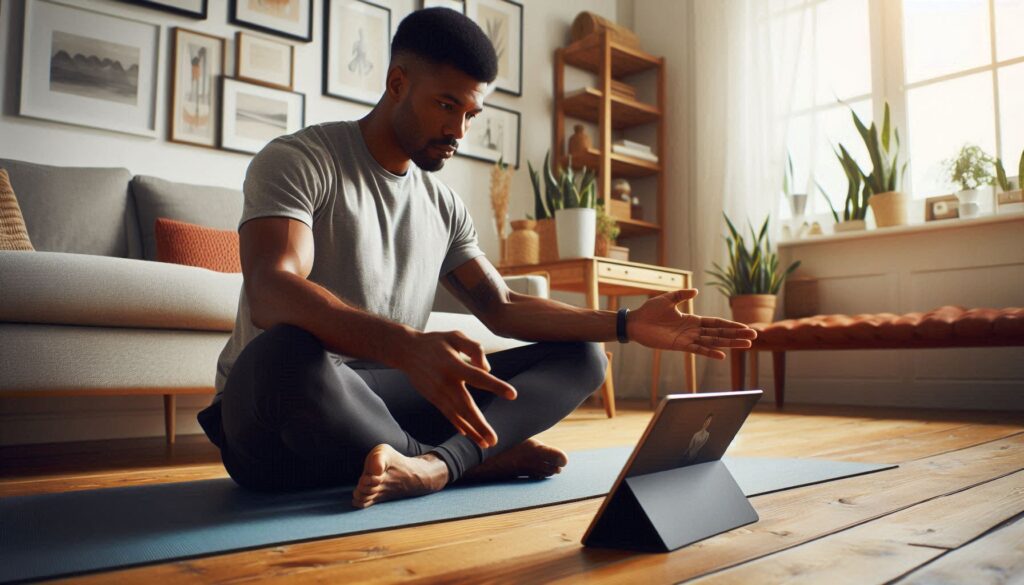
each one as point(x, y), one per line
point(456, 5)
point(253, 115)
point(65, 52)
point(264, 61)
point(198, 62)
point(191, 8)
point(357, 49)
point(291, 19)
point(502, 22)
point(941, 207)
point(493, 135)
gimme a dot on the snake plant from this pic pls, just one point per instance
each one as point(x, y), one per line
point(564, 190)
point(1004, 183)
point(856, 205)
point(886, 172)
point(753, 270)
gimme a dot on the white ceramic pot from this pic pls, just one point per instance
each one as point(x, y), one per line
point(852, 225)
point(576, 230)
point(969, 202)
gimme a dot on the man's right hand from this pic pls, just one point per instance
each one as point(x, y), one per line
point(436, 369)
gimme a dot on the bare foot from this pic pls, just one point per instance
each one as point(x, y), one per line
point(389, 475)
point(531, 458)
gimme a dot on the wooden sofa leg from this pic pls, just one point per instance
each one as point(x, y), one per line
point(779, 371)
point(169, 412)
point(738, 361)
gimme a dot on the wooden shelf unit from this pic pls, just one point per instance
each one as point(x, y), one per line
point(609, 60)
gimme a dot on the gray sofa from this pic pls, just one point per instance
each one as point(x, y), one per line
point(91, 312)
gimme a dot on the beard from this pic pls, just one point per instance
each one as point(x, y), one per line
point(414, 145)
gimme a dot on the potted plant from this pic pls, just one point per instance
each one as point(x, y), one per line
point(752, 278)
point(1011, 198)
point(570, 198)
point(855, 208)
point(797, 201)
point(887, 201)
point(607, 231)
point(970, 169)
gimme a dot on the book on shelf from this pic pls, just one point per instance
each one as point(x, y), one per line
point(633, 145)
point(641, 154)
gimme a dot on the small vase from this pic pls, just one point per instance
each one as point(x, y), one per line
point(890, 208)
point(798, 204)
point(748, 309)
point(601, 247)
point(576, 230)
point(548, 240)
point(967, 202)
point(579, 142)
point(523, 245)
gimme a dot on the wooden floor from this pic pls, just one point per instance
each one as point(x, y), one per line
point(951, 513)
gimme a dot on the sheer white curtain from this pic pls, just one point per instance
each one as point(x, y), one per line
point(745, 57)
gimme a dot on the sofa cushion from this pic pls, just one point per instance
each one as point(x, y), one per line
point(56, 357)
point(13, 235)
point(216, 207)
point(74, 209)
point(80, 289)
point(185, 243)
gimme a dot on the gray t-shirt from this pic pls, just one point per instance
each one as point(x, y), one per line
point(381, 241)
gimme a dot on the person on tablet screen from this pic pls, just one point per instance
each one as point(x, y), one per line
point(699, 439)
point(328, 378)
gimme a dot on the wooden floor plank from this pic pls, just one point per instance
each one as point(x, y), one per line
point(893, 545)
point(995, 558)
point(542, 545)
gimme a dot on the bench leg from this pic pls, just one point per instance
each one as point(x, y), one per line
point(609, 388)
point(779, 370)
point(169, 411)
point(738, 360)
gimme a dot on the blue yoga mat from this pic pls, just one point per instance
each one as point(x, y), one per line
point(50, 535)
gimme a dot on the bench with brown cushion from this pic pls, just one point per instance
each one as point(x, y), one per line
point(948, 326)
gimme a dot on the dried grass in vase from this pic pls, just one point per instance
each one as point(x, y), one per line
point(501, 181)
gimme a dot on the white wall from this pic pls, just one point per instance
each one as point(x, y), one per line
point(546, 26)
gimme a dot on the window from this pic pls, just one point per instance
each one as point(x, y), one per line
point(951, 70)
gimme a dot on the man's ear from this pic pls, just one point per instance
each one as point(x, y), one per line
point(397, 83)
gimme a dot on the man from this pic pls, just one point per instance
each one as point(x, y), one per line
point(328, 378)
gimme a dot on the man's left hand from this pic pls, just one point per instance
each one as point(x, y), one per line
point(659, 324)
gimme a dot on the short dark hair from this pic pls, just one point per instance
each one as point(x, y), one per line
point(446, 37)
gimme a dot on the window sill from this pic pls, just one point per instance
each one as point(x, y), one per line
point(919, 228)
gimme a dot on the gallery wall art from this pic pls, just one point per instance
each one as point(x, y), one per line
point(191, 8)
point(89, 68)
point(264, 61)
point(253, 115)
point(357, 50)
point(493, 135)
point(502, 22)
point(292, 19)
point(195, 105)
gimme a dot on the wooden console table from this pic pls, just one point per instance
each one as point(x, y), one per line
point(596, 277)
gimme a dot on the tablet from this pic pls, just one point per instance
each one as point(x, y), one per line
point(686, 432)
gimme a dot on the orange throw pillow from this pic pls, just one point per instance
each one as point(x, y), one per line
point(179, 242)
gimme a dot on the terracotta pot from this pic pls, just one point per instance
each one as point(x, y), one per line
point(601, 246)
point(890, 208)
point(749, 309)
point(523, 245)
point(548, 240)
point(579, 142)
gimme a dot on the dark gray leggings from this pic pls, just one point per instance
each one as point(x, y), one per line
point(291, 417)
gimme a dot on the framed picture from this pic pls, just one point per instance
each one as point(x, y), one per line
point(941, 207)
point(456, 5)
point(89, 68)
point(292, 19)
point(253, 115)
point(502, 21)
point(264, 61)
point(195, 107)
point(357, 50)
point(190, 8)
point(493, 135)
